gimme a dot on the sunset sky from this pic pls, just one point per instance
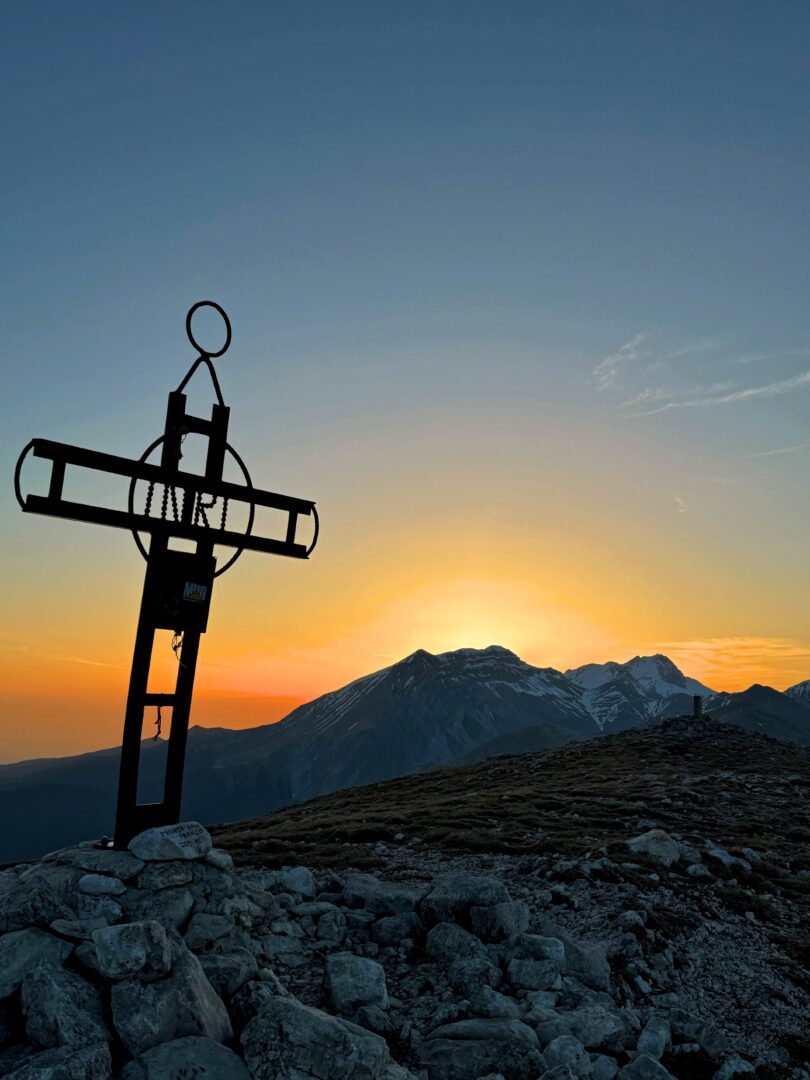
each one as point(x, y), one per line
point(519, 297)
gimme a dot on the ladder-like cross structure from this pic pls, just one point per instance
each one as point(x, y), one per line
point(178, 584)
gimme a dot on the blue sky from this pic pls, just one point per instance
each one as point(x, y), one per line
point(548, 257)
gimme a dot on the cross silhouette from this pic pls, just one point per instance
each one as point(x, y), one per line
point(178, 584)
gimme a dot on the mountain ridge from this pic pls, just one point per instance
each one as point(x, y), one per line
point(421, 713)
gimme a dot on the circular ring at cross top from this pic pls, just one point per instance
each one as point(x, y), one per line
point(190, 335)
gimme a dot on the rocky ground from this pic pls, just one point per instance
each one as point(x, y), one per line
point(639, 928)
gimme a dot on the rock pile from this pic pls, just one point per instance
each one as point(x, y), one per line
point(165, 962)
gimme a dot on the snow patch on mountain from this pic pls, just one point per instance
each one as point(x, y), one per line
point(800, 693)
point(641, 691)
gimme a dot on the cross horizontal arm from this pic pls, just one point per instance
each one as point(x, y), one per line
point(183, 527)
point(121, 519)
point(64, 454)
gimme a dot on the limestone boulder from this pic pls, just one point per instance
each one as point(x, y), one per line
point(655, 1038)
point(221, 859)
point(688, 1027)
point(533, 974)
point(90, 1063)
point(603, 1067)
point(393, 929)
point(203, 930)
point(77, 929)
point(499, 921)
point(734, 1067)
point(22, 950)
point(182, 1059)
point(252, 998)
point(538, 947)
point(380, 897)
point(92, 860)
point(596, 1026)
point(170, 907)
point(469, 973)
point(453, 895)
point(100, 885)
point(332, 927)
point(186, 840)
point(477, 1047)
point(99, 907)
point(568, 1051)
point(352, 981)
point(291, 1041)
point(227, 972)
point(164, 875)
point(140, 948)
point(29, 902)
point(447, 942)
point(658, 845)
point(146, 1014)
point(584, 960)
point(62, 1009)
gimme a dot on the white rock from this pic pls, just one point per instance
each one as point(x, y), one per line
point(298, 879)
point(726, 858)
point(100, 907)
point(351, 981)
point(99, 885)
point(186, 840)
point(658, 844)
point(220, 858)
point(133, 948)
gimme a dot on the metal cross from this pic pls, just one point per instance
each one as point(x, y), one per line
point(178, 584)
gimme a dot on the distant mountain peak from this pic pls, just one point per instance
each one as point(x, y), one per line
point(420, 657)
point(641, 691)
point(800, 692)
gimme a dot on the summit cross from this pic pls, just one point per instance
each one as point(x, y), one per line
point(178, 505)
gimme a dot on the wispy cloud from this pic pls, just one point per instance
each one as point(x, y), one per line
point(773, 389)
point(773, 453)
point(651, 394)
point(54, 656)
point(681, 505)
point(638, 355)
point(606, 371)
point(762, 357)
point(726, 663)
point(710, 343)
